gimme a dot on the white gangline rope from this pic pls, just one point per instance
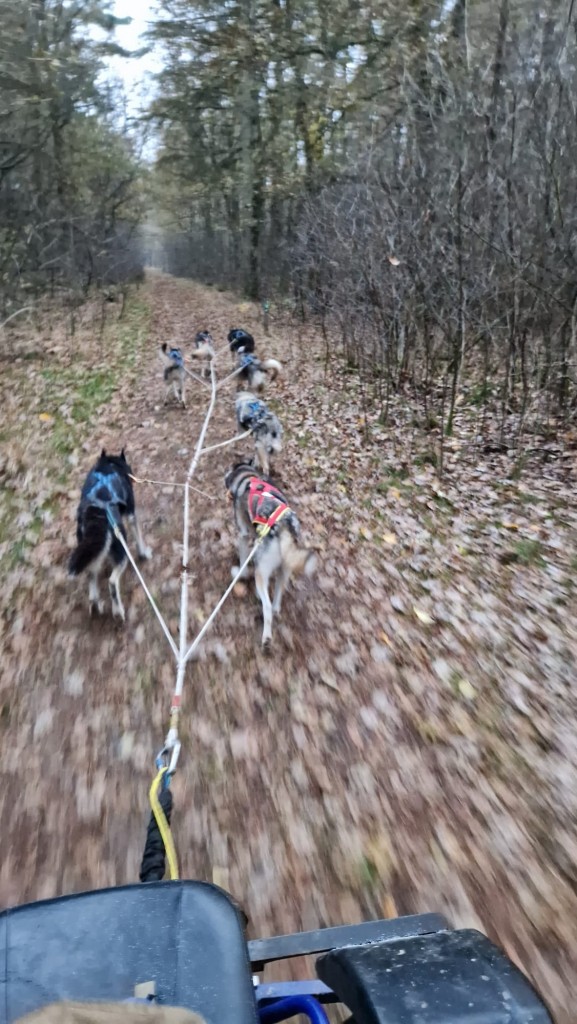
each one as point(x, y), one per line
point(195, 376)
point(223, 444)
point(181, 652)
point(166, 631)
point(230, 376)
point(171, 483)
point(181, 661)
point(217, 607)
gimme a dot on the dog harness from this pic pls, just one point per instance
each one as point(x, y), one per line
point(176, 356)
point(109, 483)
point(258, 411)
point(258, 492)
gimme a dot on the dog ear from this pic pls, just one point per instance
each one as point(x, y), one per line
point(103, 453)
point(164, 346)
point(123, 456)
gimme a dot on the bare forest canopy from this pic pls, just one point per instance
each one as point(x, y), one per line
point(69, 179)
point(406, 173)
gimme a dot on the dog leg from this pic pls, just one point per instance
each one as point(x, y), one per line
point(167, 393)
point(114, 587)
point(262, 457)
point(261, 584)
point(95, 602)
point(143, 550)
point(243, 553)
point(279, 589)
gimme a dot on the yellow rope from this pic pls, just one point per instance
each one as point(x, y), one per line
point(163, 826)
point(262, 529)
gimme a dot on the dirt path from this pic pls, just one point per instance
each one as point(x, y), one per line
point(411, 744)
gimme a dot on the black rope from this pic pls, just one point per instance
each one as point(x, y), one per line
point(153, 863)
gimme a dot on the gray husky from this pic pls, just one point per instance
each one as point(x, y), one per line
point(174, 375)
point(259, 505)
point(252, 414)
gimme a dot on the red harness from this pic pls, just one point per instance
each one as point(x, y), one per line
point(257, 492)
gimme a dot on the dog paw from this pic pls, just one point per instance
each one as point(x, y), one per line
point(266, 646)
point(96, 607)
point(118, 613)
point(145, 554)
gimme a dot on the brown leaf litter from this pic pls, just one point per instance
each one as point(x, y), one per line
point(409, 746)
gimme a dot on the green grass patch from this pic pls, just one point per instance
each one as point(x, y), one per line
point(528, 499)
point(480, 393)
point(429, 458)
point(529, 552)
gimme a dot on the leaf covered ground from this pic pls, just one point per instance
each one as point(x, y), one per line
point(409, 746)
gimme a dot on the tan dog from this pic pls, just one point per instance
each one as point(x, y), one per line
point(203, 349)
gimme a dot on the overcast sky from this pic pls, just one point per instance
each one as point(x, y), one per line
point(135, 74)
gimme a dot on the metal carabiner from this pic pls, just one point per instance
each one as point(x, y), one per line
point(168, 756)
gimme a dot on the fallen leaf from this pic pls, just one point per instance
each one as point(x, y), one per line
point(240, 590)
point(394, 492)
point(45, 417)
point(466, 690)
point(389, 907)
point(330, 681)
point(393, 261)
point(423, 617)
point(390, 538)
point(220, 877)
point(510, 526)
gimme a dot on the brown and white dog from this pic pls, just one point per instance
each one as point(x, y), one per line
point(260, 507)
point(254, 372)
point(203, 348)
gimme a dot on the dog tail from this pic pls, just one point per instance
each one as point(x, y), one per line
point(273, 366)
point(94, 541)
point(202, 352)
point(297, 560)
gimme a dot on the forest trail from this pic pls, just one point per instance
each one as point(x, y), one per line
point(411, 743)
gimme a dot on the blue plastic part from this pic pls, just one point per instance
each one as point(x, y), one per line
point(284, 1009)
point(271, 991)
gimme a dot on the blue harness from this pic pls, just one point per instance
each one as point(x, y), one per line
point(107, 483)
point(258, 411)
point(247, 359)
point(176, 356)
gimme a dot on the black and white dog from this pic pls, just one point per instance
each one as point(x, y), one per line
point(252, 414)
point(203, 348)
point(254, 371)
point(106, 497)
point(240, 341)
point(259, 505)
point(174, 377)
